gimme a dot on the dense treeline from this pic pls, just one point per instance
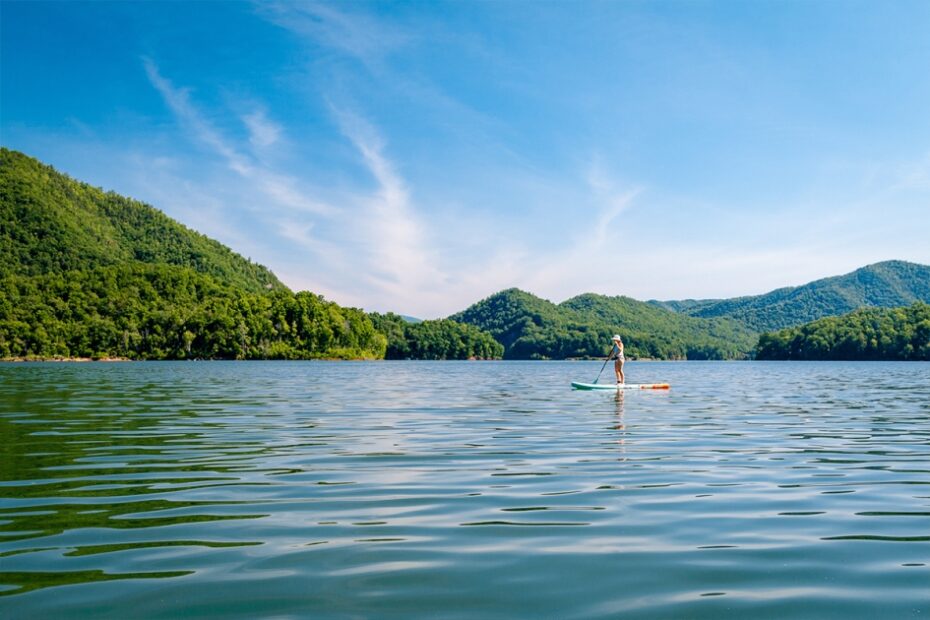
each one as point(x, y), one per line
point(442, 339)
point(866, 334)
point(887, 284)
point(141, 311)
point(534, 328)
point(50, 223)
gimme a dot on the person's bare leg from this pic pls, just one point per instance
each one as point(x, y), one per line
point(620, 376)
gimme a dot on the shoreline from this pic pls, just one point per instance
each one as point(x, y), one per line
point(82, 360)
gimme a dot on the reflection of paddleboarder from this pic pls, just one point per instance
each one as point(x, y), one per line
point(617, 354)
point(620, 426)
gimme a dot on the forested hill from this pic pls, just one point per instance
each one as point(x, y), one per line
point(90, 274)
point(886, 284)
point(50, 223)
point(533, 328)
point(865, 334)
point(714, 338)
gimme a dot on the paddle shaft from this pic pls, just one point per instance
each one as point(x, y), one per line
point(605, 365)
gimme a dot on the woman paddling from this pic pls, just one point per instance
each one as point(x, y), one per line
point(617, 354)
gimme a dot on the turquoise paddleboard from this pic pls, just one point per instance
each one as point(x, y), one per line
point(620, 386)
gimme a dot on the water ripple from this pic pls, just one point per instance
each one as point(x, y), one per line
point(459, 490)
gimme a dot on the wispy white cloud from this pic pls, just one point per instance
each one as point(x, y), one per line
point(355, 33)
point(280, 189)
point(611, 199)
point(374, 42)
point(395, 234)
point(263, 132)
point(178, 99)
point(590, 258)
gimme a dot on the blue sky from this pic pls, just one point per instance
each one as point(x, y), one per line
point(419, 156)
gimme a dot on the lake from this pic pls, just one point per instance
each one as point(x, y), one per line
point(464, 490)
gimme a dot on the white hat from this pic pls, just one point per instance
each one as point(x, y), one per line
point(617, 337)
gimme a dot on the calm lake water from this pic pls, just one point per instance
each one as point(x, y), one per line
point(464, 490)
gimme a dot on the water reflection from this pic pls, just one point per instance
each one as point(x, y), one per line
point(620, 422)
point(27, 581)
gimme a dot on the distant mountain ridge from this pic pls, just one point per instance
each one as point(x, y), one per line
point(886, 284)
point(51, 223)
point(530, 327)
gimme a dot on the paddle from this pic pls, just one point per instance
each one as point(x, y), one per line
point(604, 366)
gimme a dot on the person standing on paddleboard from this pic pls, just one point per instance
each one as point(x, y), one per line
point(617, 354)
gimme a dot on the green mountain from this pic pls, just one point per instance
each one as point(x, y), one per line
point(714, 338)
point(533, 328)
point(88, 273)
point(887, 284)
point(864, 334)
point(51, 223)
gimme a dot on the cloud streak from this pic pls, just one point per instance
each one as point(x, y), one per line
point(355, 34)
point(393, 230)
point(262, 131)
point(280, 189)
point(178, 100)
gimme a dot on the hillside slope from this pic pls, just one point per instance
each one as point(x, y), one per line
point(704, 338)
point(533, 328)
point(88, 273)
point(50, 223)
point(887, 284)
